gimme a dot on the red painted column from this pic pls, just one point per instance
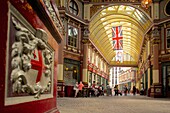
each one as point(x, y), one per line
point(60, 84)
point(85, 63)
point(156, 88)
point(23, 21)
point(3, 29)
point(85, 55)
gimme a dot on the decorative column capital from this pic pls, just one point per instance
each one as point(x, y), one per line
point(86, 34)
point(155, 36)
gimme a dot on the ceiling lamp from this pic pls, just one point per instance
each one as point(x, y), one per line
point(146, 3)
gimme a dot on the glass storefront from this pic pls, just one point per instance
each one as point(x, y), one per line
point(71, 71)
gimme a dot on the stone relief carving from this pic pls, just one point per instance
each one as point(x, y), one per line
point(53, 14)
point(155, 33)
point(86, 32)
point(29, 50)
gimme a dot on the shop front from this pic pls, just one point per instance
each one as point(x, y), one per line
point(166, 79)
point(71, 75)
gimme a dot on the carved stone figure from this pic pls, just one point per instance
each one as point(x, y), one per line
point(31, 62)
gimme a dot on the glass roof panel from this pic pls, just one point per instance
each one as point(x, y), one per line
point(134, 24)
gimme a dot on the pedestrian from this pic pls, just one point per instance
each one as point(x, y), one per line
point(93, 89)
point(125, 90)
point(116, 90)
point(76, 89)
point(134, 90)
point(80, 87)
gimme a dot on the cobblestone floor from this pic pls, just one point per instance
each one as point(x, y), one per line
point(112, 104)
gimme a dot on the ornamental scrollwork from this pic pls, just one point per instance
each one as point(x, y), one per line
point(27, 49)
point(53, 15)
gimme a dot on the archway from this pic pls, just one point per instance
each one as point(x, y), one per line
point(128, 21)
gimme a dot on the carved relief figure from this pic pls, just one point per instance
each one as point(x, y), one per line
point(31, 62)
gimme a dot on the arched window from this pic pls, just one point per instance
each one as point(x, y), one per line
point(73, 7)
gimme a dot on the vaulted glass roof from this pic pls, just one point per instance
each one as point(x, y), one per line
point(134, 23)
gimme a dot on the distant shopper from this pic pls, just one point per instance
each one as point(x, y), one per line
point(80, 86)
point(76, 89)
point(134, 90)
point(125, 90)
point(116, 90)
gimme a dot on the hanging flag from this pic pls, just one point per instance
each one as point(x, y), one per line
point(117, 38)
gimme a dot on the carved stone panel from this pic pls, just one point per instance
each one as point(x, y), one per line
point(29, 62)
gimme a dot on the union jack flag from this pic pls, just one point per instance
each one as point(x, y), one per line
point(117, 38)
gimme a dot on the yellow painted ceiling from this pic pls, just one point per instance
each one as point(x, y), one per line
point(134, 24)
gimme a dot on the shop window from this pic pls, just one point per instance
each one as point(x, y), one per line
point(72, 36)
point(168, 77)
point(90, 78)
point(70, 74)
point(98, 80)
point(73, 7)
point(168, 38)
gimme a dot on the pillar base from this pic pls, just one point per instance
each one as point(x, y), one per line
point(60, 88)
point(156, 91)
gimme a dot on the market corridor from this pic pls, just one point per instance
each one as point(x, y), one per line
point(108, 104)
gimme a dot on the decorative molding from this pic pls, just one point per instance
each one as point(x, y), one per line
point(46, 17)
point(71, 55)
point(155, 33)
point(155, 36)
point(53, 15)
point(94, 9)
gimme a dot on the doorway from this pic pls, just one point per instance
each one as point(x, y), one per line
point(166, 81)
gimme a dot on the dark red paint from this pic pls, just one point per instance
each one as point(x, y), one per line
point(39, 106)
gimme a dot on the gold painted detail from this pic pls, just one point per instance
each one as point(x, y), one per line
point(86, 36)
point(85, 41)
point(27, 48)
point(94, 9)
point(155, 41)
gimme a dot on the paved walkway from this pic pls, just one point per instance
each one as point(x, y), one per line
point(112, 104)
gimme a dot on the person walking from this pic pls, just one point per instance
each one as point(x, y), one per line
point(80, 87)
point(116, 90)
point(125, 90)
point(134, 90)
point(76, 89)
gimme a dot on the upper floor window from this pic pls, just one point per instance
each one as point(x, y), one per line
point(72, 36)
point(73, 7)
